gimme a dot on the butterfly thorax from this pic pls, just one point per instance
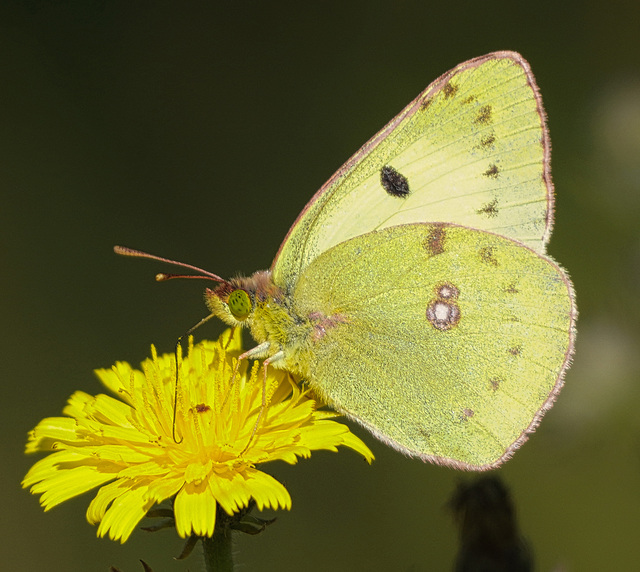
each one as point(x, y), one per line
point(270, 319)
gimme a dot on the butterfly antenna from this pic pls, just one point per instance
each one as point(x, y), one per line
point(161, 277)
point(203, 274)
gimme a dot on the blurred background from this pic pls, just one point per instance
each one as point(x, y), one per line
point(198, 131)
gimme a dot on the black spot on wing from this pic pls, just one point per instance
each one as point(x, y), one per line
point(490, 210)
point(488, 141)
point(435, 241)
point(495, 383)
point(492, 172)
point(488, 255)
point(394, 182)
point(450, 89)
point(484, 115)
point(426, 103)
point(512, 288)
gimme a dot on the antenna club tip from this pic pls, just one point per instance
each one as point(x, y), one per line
point(161, 277)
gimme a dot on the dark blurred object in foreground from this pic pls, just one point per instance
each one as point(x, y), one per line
point(489, 537)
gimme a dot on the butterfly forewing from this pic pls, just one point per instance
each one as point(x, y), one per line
point(471, 149)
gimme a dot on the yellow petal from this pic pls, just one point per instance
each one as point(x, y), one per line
point(195, 510)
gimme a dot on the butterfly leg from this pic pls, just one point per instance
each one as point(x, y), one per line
point(249, 354)
point(275, 357)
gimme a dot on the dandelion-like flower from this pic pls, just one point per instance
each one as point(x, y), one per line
point(126, 446)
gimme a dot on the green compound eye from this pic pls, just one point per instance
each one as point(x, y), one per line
point(239, 304)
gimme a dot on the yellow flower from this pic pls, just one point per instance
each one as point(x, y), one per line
point(128, 442)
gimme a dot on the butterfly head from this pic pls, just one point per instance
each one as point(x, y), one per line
point(235, 301)
point(230, 302)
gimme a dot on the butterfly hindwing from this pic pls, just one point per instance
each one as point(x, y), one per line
point(451, 350)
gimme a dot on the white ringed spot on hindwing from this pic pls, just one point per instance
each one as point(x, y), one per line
point(446, 291)
point(443, 311)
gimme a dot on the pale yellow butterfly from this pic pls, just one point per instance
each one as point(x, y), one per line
point(413, 293)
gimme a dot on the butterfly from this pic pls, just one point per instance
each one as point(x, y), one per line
point(413, 293)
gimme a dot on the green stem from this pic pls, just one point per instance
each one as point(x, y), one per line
point(218, 554)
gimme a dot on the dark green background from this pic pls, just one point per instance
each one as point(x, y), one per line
point(198, 131)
